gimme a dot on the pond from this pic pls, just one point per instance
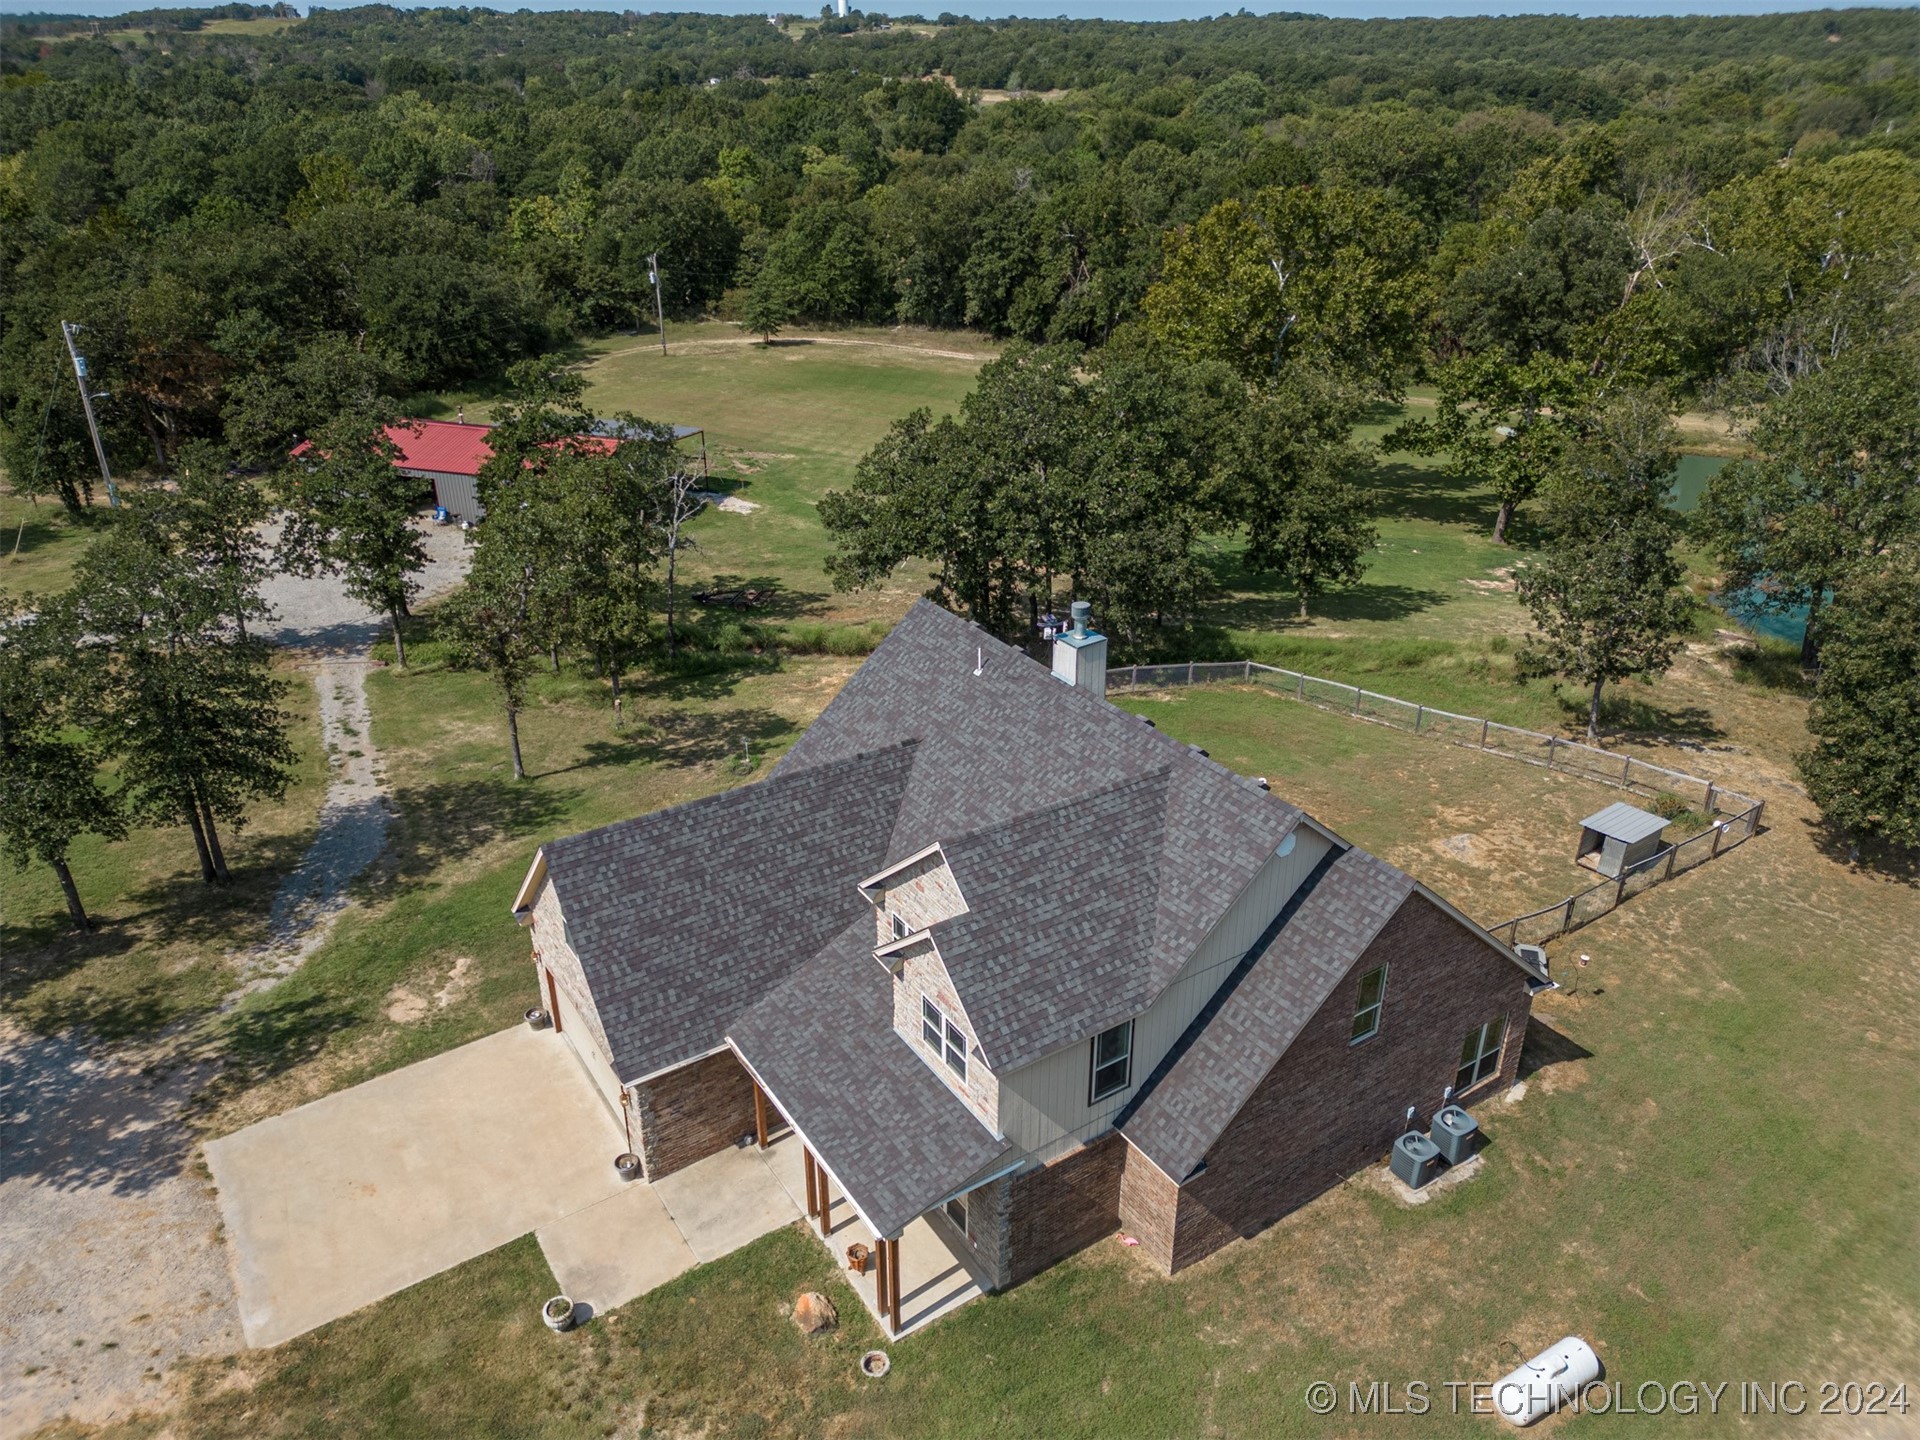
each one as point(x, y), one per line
point(1688, 481)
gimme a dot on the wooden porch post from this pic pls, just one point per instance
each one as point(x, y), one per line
point(880, 1276)
point(826, 1203)
point(813, 1207)
point(760, 1117)
point(893, 1283)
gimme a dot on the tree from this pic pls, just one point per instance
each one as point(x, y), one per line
point(350, 508)
point(190, 713)
point(50, 793)
point(1835, 487)
point(221, 514)
point(1606, 601)
point(491, 618)
point(1322, 276)
point(1863, 770)
point(269, 408)
point(1499, 425)
point(1286, 476)
point(768, 309)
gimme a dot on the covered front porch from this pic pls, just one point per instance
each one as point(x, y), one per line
point(885, 1146)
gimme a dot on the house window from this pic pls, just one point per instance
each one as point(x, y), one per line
point(957, 1213)
point(1366, 1010)
point(1112, 1062)
point(943, 1037)
point(1480, 1054)
point(900, 927)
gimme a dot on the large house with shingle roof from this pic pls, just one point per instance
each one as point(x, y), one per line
point(1017, 968)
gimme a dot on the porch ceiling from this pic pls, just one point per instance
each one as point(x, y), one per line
point(888, 1129)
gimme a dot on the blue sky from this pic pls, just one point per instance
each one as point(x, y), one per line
point(1077, 9)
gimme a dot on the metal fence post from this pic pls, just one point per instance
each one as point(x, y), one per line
point(1552, 740)
point(1246, 670)
point(1419, 713)
point(1189, 672)
point(1357, 693)
point(1300, 689)
point(1626, 771)
point(1483, 733)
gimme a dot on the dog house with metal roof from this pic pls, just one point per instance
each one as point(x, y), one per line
point(1620, 838)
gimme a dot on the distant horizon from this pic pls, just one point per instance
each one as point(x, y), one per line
point(1129, 11)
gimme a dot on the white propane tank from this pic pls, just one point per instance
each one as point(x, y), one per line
point(1548, 1381)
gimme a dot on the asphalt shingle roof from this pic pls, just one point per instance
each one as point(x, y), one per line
point(1094, 851)
point(684, 917)
point(1229, 1050)
point(889, 1129)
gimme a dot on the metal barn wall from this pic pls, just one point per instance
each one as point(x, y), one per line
point(1043, 1106)
point(459, 493)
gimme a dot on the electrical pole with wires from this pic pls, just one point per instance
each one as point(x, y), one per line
point(659, 311)
point(67, 331)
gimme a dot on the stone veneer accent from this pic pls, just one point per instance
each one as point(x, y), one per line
point(1329, 1108)
point(690, 1113)
point(924, 975)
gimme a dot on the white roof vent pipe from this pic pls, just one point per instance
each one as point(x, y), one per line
point(1080, 654)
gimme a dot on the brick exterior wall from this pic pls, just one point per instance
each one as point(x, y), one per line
point(1148, 1204)
point(924, 975)
point(690, 1113)
point(1328, 1108)
point(1054, 1210)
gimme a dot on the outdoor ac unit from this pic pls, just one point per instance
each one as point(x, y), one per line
point(1416, 1159)
point(1454, 1133)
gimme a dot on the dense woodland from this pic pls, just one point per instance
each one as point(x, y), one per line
point(1214, 244)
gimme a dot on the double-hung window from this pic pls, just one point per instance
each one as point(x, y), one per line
point(944, 1038)
point(899, 926)
point(1480, 1053)
point(1366, 1010)
point(1111, 1064)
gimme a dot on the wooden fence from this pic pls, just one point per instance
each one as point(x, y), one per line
point(1735, 817)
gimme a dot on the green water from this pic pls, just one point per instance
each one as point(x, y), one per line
point(1689, 480)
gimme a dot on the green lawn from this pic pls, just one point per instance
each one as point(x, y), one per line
point(1695, 1179)
point(39, 543)
point(784, 425)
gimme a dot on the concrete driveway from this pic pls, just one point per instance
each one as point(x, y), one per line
point(340, 1203)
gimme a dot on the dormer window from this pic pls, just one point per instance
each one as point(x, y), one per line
point(944, 1038)
point(898, 925)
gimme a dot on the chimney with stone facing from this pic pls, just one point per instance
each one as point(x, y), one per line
point(1080, 654)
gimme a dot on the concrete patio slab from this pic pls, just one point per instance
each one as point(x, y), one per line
point(729, 1199)
point(937, 1276)
point(347, 1200)
point(617, 1250)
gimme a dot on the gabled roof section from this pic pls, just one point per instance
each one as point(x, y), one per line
point(1094, 847)
point(887, 1127)
point(685, 917)
point(1229, 1051)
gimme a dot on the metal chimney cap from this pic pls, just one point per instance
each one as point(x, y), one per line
point(1082, 611)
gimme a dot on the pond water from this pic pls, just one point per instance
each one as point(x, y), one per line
point(1689, 480)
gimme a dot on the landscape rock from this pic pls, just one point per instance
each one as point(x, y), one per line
point(813, 1313)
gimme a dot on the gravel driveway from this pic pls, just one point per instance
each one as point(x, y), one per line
point(112, 1266)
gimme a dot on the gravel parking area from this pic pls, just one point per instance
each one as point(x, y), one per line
point(111, 1262)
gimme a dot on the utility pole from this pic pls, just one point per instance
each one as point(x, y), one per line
point(659, 312)
point(67, 330)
